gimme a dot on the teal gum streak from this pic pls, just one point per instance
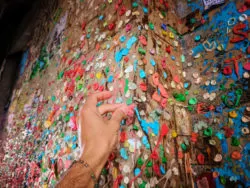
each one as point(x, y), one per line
point(155, 126)
point(123, 153)
point(145, 142)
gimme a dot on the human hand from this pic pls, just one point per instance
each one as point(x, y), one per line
point(98, 136)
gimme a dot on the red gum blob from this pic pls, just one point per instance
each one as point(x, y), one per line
point(228, 132)
point(154, 155)
point(163, 64)
point(143, 40)
point(101, 88)
point(143, 86)
point(163, 103)
point(156, 169)
point(111, 26)
point(155, 79)
point(201, 159)
point(194, 137)
point(83, 25)
point(168, 49)
point(126, 59)
point(156, 97)
point(128, 27)
point(236, 155)
point(95, 86)
point(164, 130)
point(122, 10)
point(247, 66)
point(236, 30)
point(227, 71)
point(176, 79)
point(123, 136)
point(163, 91)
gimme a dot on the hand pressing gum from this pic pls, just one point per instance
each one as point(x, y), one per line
point(128, 110)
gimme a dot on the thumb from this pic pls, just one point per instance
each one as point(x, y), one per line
point(117, 117)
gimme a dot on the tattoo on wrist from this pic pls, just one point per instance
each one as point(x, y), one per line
point(86, 165)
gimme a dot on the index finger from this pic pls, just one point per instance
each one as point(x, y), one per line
point(95, 98)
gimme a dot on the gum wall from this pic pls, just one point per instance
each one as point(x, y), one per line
point(183, 64)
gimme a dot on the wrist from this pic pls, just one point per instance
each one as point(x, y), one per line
point(95, 158)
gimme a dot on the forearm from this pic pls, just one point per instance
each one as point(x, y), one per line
point(79, 175)
point(99, 136)
point(76, 176)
